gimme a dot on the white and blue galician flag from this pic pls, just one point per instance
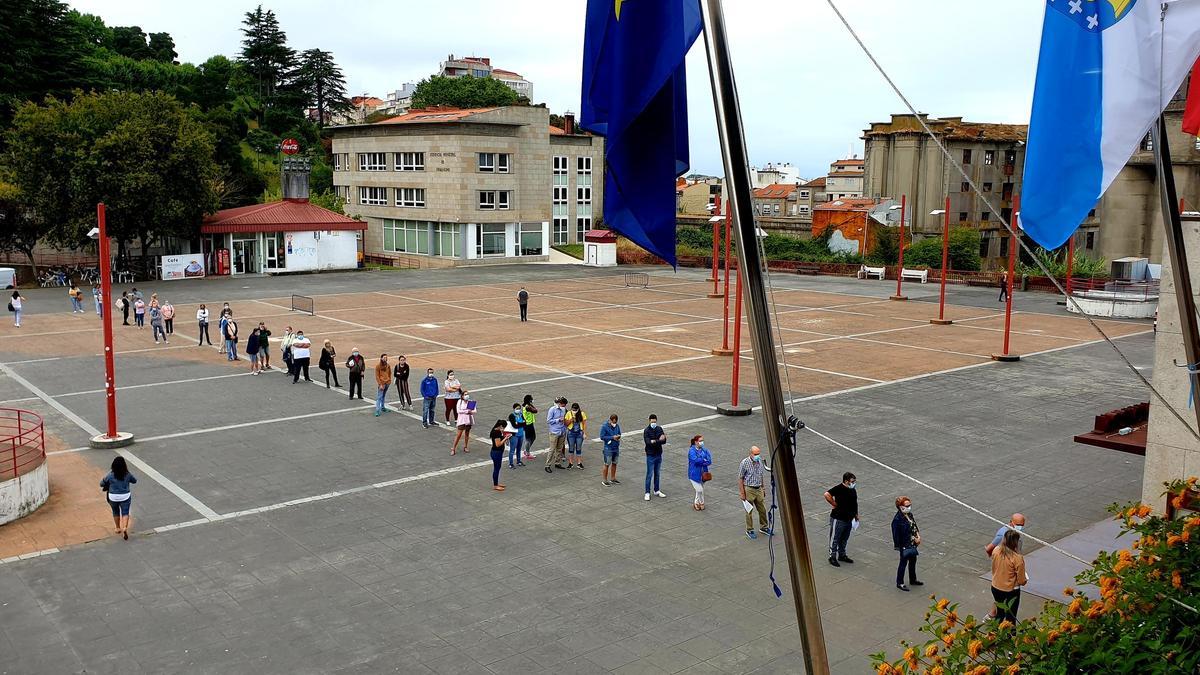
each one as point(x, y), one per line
point(1106, 70)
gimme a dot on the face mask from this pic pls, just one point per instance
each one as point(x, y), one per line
point(355, 353)
point(466, 398)
point(699, 444)
point(654, 425)
point(756, 458)
point(906, 509)
point(1018, 528)
point(853, 484)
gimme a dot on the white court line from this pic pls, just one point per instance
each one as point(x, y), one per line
point(133, 459)
point(57, 332)
point(27, 556)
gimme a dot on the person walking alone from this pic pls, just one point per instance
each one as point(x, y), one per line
point(400, 374)
point(516, 441)
point(453, 393)
point(1008, 576)
point(750, 489)
point(556, 424)
point(230, 335)
point(1003, 286)
point(356, 365)
point(156, 324)
point(464, 421)
point(610, 438)
point(301, 351)
point(252, 351)
point(842, 518)
point(699, 459)
point(327, 364)
point(383, 380)
point(202, 325)
point(116, 486)
point(654, 439)
point(264, 347)
point(76, 297)
point(429, 393)
point(523, 303)
point(98, 298)
point(168, 315)
point(906, 537)
point(15, 304)
point(576, 421)
point(498, 438)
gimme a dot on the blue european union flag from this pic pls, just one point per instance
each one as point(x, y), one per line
point(634, 94)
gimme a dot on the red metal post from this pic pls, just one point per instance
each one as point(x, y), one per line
point(737, 339)
point(716, 244)
point(1070, 261)
point(106, 311)
point(725, 336)
point(900, 246)
point(941, 320)
point(1012, 261)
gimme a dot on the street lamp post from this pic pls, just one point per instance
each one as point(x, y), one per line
point(942, 320)
point(111, 438)
point(900, 245)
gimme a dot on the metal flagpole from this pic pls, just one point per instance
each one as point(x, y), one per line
point(1177, 250)
point(779, 428)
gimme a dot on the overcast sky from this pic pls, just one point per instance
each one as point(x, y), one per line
point(807, 91)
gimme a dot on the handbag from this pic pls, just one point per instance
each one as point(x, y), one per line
point(10, 307)
point(706, 476)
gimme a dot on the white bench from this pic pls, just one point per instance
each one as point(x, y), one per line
point(922, 275)
point(875, 271)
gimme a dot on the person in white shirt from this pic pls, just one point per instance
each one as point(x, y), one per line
point(301, 349)
point(15, 304)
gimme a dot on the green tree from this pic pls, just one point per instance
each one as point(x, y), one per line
point(130, 41)
point(162, 47)
point(963, 251)
point(323, 83)
point(40, 54)
point(462, 92)
point(19, 231)
point(328, 199)
point(265, 51)
point(143, 155)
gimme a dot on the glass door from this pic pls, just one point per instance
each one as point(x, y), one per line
point(272, 252)
point(245, 256)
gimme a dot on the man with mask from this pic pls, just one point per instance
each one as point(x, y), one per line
point(844, 501)
point(558, 435)
point(1017, 522)
point(654, 439)
point(429, 393)
point(750, 487)
point(356, 364)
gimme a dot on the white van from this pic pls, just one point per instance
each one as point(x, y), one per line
point(8, 278)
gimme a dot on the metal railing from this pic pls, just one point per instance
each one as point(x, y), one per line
point(22, 442)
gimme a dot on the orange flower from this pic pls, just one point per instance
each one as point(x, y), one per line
point(974, 648)
point(948, 638)
point(1052, 636)
point(937, 670)
point(1095, 611)
point(931, 650)
point(1173, 540)
point(979, 670)
point(951, 619)
point(1005, 624)
point(1012, 670)
point(1122, 565)
point(1068, 591)
point(1177, 502)
point(968, 625)
point(1125, 555)
point(1143, 511)
point(943, 604)
point(910, 655)
point(1187, 535)
point(1075, 607)
point(1177, 579)
point(1065, 626)
point(885, 669)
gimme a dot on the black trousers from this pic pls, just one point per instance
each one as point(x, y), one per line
point(524, 312)
point(170, 326)
point(332, 370)
point(297, 366)
point(125, 314)
point(204, 334)
point(1003, 292)
point(1010, 598)
point(908, 558)
point(355, 383)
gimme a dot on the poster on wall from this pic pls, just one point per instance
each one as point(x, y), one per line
point(186, 266)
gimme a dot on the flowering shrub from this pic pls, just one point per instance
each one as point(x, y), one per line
point(1144, 621)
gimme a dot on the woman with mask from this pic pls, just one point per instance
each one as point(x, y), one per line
point(327, 364)
point(517, 442)
point(452, 396)
point(465, 419)
point(699, 459)
point(498, 438)
point(576, 421)
point(530, 411)
point(906, 537)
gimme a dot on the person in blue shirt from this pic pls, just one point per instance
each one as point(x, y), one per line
point(116, 486)
point(429, 394)
point(517, 441)
point(555, 421)
point(699, 459)
point(655, 439)
point(610, 438)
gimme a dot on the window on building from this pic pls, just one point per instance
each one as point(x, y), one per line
point(583, 164)
point(341, 161)
point(494, 162)
point(559, 194)
point(985, 247)
point(965, 187)
point(560, 165)
point(804, 210)
point(1003, 247)
point(776, 208)
point(1090, 241)
point(1197, 145)
point(494, 200)
point(1092, 213)
point(343, 191)
point(410, 197)
point(989, 157)
point(560, 231)
point(987, 187)
point(447, 240)
point(804, 193)
point(966, 156)
point(489, 240)
point(1010, 157)
point(372, 196)
point(1006, 192)
point(410, 161)
point(372, 161)
point(1148, 143)
point(985, 216)
point(406, 236)
point(582, 225)
point(1006, 214)
point(530, 239)
point(583, 194)
point(962, 216)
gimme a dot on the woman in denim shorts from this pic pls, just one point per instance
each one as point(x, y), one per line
point(117, 486)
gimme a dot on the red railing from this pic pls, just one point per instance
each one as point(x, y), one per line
point(22, 442)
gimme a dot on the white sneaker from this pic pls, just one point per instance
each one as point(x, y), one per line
point(659, 493)
point(647, 497)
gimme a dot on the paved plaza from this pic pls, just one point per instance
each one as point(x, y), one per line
point(282, 528)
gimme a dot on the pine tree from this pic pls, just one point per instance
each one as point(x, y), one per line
point(265, 51)
point(323, 83)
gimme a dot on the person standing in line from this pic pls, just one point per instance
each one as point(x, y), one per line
point(516, 441)
point(530, 411)
point(286, 345)
point(202, 322)
point(231, 337)
point(252, 351)
point(301, 350)
point(168, 315)
point(464, 421)
point(453, 393)
point(906, 537)
point(498, 438)
point(98, 298)
point(610, 438)
point(15, 304)
point(264, 352)
point(124, 305)
point(844, 500)
point(1008, 576)
point(116, 486)
point(699, 459)
point(356, 365)
point(327, 364)
point(156, 324)
point(1017, 523)
point(137, 295)
point(139, 312)
point(654, 439)
point(750, 489)
point(576, 421)
point(222, 322)
point(76, 297)
point(400, 374)
point(1003, 286)
point(429, 393)
point(555, 423)
point(523, 302)
point(383, 380)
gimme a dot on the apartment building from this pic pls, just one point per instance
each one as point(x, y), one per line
point(443, 187)
point(845, 179)
point(480, 66)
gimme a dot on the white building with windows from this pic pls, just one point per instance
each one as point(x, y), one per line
point(481, 66)
point(444, 187)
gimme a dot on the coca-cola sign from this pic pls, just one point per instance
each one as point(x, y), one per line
point(289, 146)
